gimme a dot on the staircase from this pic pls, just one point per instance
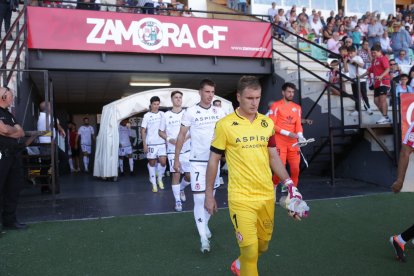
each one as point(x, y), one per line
point(335, 132)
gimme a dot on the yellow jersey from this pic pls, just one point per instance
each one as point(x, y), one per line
point(245, 145)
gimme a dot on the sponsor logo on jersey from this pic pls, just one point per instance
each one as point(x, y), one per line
point(235, 124)
point(294, 109)
point(198, 112)
point(256, 138)
point(197, 186)
point(290, 119)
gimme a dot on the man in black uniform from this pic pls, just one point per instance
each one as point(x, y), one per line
point(10, 162)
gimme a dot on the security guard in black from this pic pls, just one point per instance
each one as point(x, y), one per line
point(10, 162)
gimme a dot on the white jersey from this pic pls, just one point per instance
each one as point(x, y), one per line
point(171, 124)
point(85, 133)
point(124, 133)
point(151, 122)
point(201, 122)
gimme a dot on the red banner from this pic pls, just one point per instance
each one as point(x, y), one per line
point(81, 30)
point(407, 112)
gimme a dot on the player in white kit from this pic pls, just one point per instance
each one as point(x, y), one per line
point(87, 135)
point(154, 145)
point(200, 120)
point(125, 148)
point(169, 129)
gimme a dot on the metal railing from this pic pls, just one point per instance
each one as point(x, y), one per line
point(342, 78)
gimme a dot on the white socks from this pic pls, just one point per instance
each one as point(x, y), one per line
point(161, 170)
point(200, 215)
point(131, 164)
point(121, 164)
point(176, 192)
point(86, 162)
point(184, 184)
point(71, 165)
point(151, 171)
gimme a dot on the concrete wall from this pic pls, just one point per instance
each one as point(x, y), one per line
point(364, 164)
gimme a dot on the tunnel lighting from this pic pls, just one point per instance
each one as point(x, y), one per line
point(139, 83)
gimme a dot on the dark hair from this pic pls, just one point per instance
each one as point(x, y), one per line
point(85, 118)
point(351, 49)
point(376, 48)
point(208, 82)
point(404, 76)
point(155, 99)
point(342, 48)
point(216, 101)
point(288, 85)
point(176, 92)
point(248, 82)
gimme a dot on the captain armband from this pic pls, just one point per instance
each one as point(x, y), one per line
point(284, 132)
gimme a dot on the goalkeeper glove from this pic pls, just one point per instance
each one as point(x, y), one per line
point(293, 202)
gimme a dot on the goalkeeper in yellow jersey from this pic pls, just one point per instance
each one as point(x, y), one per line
point(246, 138)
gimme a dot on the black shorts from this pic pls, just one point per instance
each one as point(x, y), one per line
point(74, 152)
point(382, 90)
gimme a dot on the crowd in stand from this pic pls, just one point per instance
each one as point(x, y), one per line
point(378, 51)
point(133, 6)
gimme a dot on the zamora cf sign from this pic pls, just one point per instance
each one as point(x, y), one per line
point(151, 34)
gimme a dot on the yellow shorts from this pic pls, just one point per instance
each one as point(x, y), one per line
point(252, 220)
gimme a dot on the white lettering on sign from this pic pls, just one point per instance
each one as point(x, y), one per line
point(151, 34)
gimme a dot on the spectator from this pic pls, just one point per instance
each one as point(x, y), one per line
point(282, 17)
point(354, 66)
point(310, 18)
point(411, 76)
point(316, 26)
point(321, 18)
point(147, 6)
point(304, 27)
point(303, 13)
point(278, 32)
point(291, 12)
point(365, 54)
point(104, 4)
point(348, 42)
point(334, 43)
point(340, 15)
point(395, 71)
point(333, 78)
point(86, 5)
point(331, 17)
point(402, 58)
point(382, 81)
point(402, 86)
point(173, 11)
point(328, 32)
point(242, 5)
point(364, 28)
point(356, 37)
point(6, 9)
point(400, 39)
point(293, 27)
point(271, 12)
point(375, 32)
point(186, 12)
point(385, 43)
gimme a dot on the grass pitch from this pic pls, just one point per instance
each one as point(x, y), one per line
point(341, 237)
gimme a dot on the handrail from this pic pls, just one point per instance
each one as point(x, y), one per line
point(236, 13)
point(7, 53)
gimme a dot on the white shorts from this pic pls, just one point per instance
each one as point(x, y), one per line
point(184, 161)
point(198, 176)
point(124, 151)
point(156, 151)
point(86, 148)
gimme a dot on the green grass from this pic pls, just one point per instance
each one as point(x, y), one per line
point(341, 237)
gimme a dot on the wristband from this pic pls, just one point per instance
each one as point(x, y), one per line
point(284, 132)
